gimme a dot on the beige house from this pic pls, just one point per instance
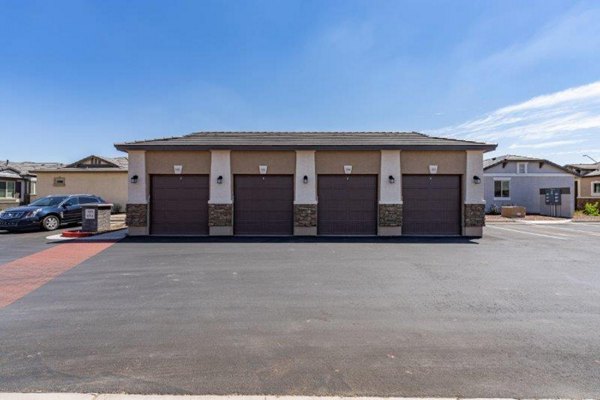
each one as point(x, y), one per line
point(102, 176)
point(306, 183)
point(589, 189)
point(587, 183)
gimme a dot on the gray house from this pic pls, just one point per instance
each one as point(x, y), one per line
point(529, 182)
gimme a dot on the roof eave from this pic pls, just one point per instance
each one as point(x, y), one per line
point(448, 147)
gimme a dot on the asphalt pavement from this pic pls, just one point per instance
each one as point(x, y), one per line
point(514, 314)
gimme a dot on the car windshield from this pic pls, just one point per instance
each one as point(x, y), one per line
point(48, 201)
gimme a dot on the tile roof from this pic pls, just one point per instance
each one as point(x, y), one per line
point(307, 140)
point(509, 157)
point(595, 173)
point(110, 164)
point(26, 167)
point(490, 162)
point(591, 167)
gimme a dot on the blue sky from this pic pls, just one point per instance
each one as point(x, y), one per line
point(78, 76)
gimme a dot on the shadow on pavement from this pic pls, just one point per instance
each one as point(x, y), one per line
point(299, 239)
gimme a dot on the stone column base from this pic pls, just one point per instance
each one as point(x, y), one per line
point(390, 220)
point(473, 231)
point(137, 231)
point(389, 231)
point(220, 219)
point(305, 219)
point(137, 219)
point(305, 231)
point(474, 215)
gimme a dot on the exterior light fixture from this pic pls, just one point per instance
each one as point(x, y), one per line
point(134, 179)
point(391, 179)
point(476, 180)
point(220, 179)
point(305, 179)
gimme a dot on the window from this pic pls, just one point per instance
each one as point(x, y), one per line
point(73, 201)
point(59, 181)
point(522, 168)
point(596, 188)
point(7, 189)
point(87, 200)
point(502, 190)
point(33, 188)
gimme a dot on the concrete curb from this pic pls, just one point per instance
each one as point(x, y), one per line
point(92, 396)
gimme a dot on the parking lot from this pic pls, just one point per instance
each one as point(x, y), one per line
point(514, 314)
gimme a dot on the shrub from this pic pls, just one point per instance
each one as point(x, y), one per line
point(592, 209)
point(116, 208)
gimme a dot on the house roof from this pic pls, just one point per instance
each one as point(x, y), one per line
point(305, 140)
point(491, 162)
point(590, 167)
point(26, 167)
point(92, 163)
point(595, 173)
point(9, 173)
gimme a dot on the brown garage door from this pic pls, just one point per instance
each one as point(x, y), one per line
point(347, 205)
point(263, 205)
point(431, 205)
point(179, 205)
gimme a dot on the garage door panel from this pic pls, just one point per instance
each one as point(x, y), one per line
point(179, 204)
point(264, 204)
point(432, 204)
point(347, 205)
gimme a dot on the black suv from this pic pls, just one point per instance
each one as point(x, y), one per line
point(48, 212)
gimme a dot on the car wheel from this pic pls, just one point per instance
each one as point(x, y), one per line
point(51, 222)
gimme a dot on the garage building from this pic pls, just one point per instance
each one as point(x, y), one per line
point(306, 183)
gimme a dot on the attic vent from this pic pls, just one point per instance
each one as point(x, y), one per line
point(59, 181)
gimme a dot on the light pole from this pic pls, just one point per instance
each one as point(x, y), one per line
point(595, 162)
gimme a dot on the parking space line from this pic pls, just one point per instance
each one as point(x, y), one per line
point(575, 230)
point(22, 276)
point(527, 233)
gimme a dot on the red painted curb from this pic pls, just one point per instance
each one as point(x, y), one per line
point(76, 234)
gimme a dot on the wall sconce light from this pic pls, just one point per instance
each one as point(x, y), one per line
point(476, 180)
point(220, 179)
point(391, 179)
point(134, 179)
point(305, 179)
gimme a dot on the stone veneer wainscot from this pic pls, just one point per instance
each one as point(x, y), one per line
point(474, 215)
point(305, 215)
point(137, 215)
point(390, 215)
point(220, 215)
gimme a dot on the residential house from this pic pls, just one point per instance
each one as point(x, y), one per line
point(587, 183)
point(18, 182)
point(102, 176)
point(531, 183)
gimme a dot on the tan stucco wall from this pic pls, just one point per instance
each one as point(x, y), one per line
point(111, 186)
point(363, 162)
point(193, 162)
point(585, 186)
point(448, 162)
point(277, 162)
